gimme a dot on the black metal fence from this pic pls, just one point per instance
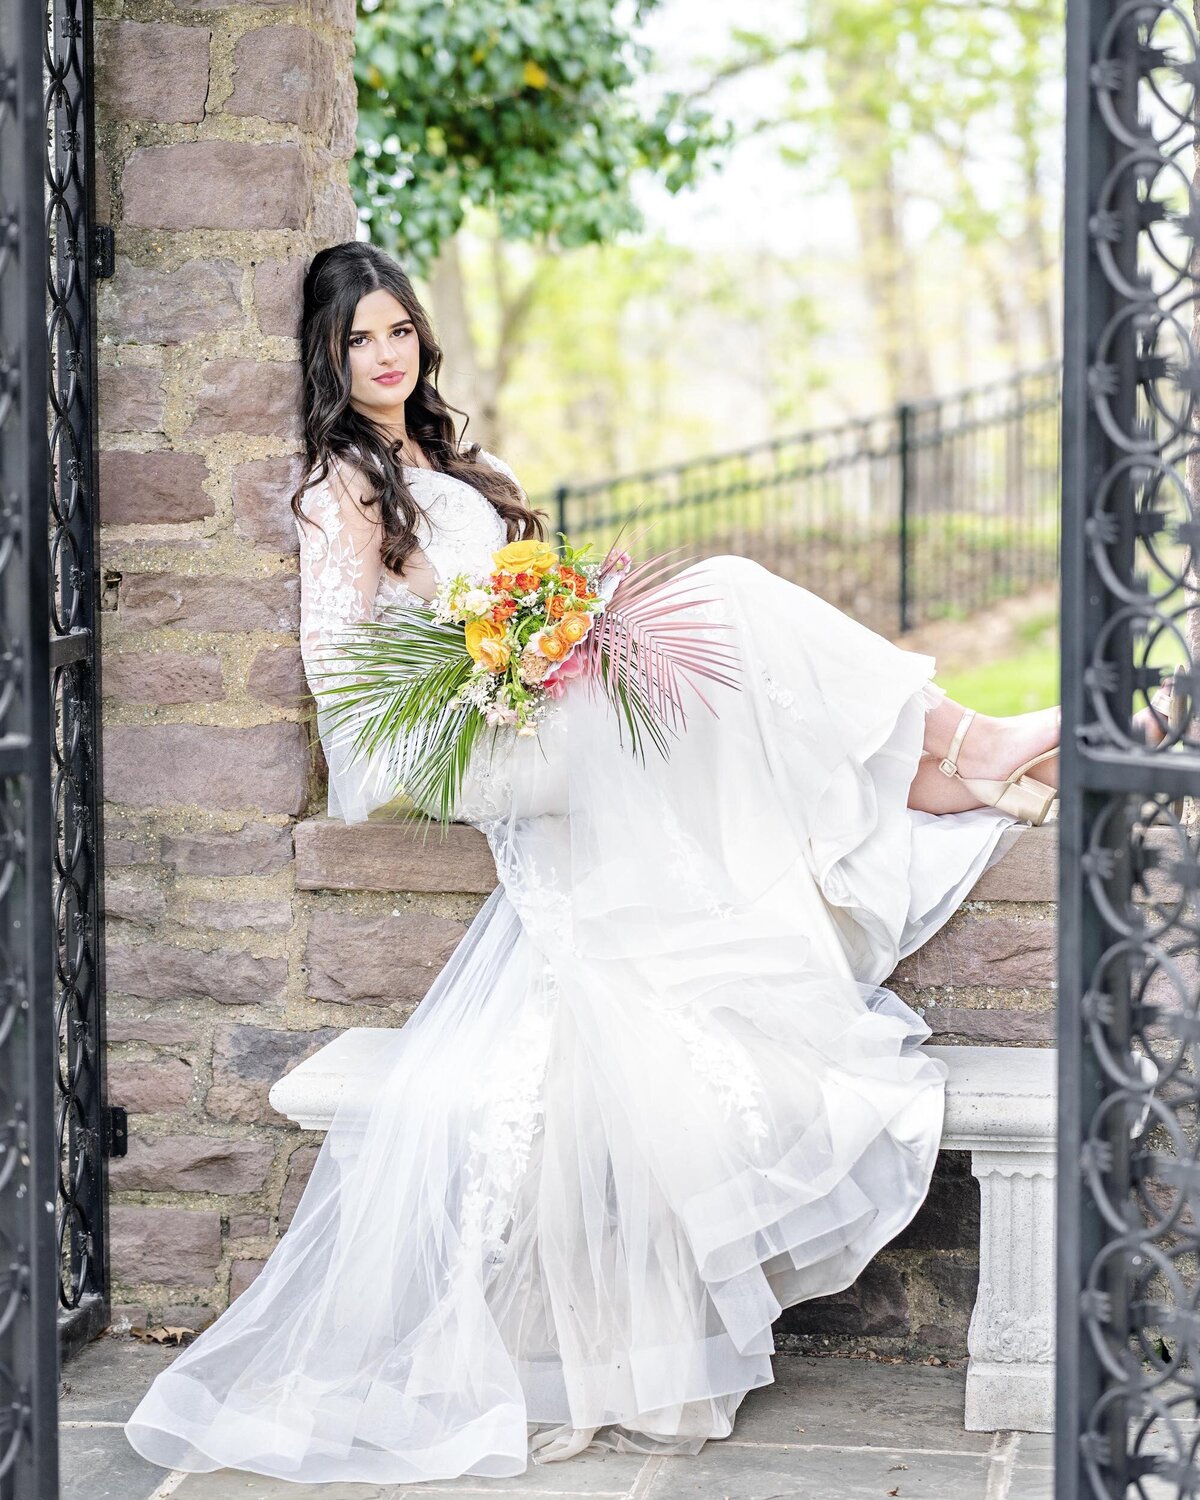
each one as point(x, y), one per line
point(1129, 940)
point(932, 511)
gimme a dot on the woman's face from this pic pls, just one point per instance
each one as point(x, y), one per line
point(385, 356)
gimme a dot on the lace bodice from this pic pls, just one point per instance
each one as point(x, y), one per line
point(342, 578)
point(343, 581)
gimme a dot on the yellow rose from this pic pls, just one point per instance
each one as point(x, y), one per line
point(494, 655)
point(525, 557)
point(574, 626)
point(477, 631)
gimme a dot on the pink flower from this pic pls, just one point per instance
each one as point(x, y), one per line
point(555, 682)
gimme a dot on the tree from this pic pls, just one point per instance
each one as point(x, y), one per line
point(938, 103)
point(525, 109)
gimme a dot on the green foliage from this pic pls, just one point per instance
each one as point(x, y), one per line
point(524, 107)
point(405, 672)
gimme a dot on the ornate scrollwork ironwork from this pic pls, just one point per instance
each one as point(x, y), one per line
point(79, 1076)
point(1129, 1331)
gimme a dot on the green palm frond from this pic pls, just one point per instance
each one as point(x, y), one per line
point(391, 683)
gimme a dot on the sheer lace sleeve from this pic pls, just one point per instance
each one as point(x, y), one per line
point(340, 567)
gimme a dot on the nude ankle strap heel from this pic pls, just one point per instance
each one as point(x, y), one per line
point(1020, 796)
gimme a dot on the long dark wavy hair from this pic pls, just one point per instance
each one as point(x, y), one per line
point(336, 278)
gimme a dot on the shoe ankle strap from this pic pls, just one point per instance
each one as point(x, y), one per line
point(949, 762)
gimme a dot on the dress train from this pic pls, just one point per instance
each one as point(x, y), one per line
point(659, 1092)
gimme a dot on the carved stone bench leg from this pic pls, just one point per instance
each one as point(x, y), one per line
point(1010, 1377)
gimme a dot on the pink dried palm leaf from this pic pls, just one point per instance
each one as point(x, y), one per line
point(650, 643)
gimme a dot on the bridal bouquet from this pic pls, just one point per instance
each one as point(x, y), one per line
point(495, 646)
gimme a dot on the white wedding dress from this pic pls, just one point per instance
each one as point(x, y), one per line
point(658, 1093)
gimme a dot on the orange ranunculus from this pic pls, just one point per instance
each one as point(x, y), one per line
point(478, 631)
point(494, 654)
point(580, 588)
point(525, 581)
point(504, 610)
point(554, 645)
point(557, 607)
point(574, 626)
point(502, 579)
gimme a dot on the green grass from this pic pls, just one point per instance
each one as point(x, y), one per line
point(1029, 678)
point(1012, 686)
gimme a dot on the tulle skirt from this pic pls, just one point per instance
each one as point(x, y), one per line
point(658, 1094)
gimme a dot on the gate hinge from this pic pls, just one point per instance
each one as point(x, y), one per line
point(104, 251)
point(116, 1131)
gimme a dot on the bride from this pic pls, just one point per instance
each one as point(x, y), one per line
point(660, 1091)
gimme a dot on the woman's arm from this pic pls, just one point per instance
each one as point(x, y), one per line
point(340, 565)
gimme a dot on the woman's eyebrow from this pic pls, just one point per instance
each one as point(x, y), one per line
point(400, 322)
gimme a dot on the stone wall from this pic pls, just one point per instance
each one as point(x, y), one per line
point(223, 133)
point(243, 930)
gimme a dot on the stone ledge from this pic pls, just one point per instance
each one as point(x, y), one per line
point(397, 855)
point(392, 855)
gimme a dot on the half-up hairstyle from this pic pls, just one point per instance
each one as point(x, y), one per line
point(334, 283)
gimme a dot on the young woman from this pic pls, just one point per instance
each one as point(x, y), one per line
point(660, 1091)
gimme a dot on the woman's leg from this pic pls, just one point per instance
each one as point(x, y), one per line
point(992, 749)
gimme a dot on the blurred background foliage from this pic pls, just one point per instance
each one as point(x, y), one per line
point(653, 229)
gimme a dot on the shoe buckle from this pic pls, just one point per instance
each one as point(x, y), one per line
point(947, 766)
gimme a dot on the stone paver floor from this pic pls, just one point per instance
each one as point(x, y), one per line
point(827, 1429)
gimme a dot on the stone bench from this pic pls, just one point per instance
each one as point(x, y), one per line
point(1000, 1106)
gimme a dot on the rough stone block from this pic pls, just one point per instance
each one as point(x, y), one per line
point(165, 971)
point(193, 1164)
point(875, 1306)
point(217, 185)
point(300, 1165)
point(127, 841)
point(256, 396)
point(249, 1226)
point(1027, 869)
point(259, 913)
point(948, 1219)
point(255, 849)
point(132, 398)
point(343, 137)
point(159, 1031)
point(151, 306)
point(210, 602)
point(152, 488)
point(987, 1026)
point(392, 856)
point(276, 676)
point(246, 1062)
point(388, 960)
point(152, 71)
point(985, 948)
point(169, 1246)
point(159, 1087)
point(141, 905)
point(262, 511)
point(242, 1274)
point(163, 765)
point(163, 677)
point(283, 73)
point(278, 289)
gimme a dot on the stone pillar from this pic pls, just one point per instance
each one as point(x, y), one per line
point(1010, 1378)
point(223, 134)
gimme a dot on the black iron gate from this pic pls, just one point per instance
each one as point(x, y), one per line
point(55, 1133)
point(1129, 1324)
point(28, 1366)
point(76, 254)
